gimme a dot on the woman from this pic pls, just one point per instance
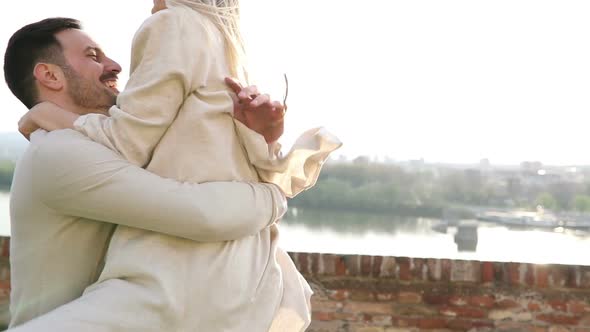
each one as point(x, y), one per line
point(175, 118)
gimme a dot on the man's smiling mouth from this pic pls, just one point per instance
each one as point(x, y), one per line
point(111, 84)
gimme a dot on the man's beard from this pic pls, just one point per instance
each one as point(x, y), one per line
point(87, 94)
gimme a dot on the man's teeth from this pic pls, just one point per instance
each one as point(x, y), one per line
point(111, 84)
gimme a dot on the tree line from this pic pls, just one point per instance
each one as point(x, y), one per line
point(6, 171)
point(389, 188)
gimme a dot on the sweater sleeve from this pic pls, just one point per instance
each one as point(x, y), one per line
point(77, 177)
point(168, 57)
point(296, 171)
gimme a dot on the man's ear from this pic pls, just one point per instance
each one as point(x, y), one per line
point(49, 76)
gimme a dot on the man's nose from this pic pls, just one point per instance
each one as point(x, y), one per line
point(112, 66)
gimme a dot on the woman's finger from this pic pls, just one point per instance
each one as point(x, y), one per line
point(249, 92)
point(260, 100)
point(233, 84)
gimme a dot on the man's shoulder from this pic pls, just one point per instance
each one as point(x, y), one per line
point(59, 139)
point(60, 145)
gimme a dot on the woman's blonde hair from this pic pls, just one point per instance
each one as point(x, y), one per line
point(225, 14)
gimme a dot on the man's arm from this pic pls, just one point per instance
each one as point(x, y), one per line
point(78, 177)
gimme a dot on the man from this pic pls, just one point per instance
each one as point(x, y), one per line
point(69, 192)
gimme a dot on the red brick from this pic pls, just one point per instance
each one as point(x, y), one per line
point(465, 312)
point(559, 319)
point(500, 273)
point(514, 273)
point(320, 305)
point(409, 298)
point(534, 306)
point(5, 285)
point(558, 329)
point(368, 307)
point(362, 295)
point(585, 321)
point(382, 320)
point(418, 265)
point(322, 316)
point(340, 267)
point(414, 310)
point(578, 307)
point(404, 268)
point(584, 277)
point(558, 276)
point(483, 301)
point(405, 322)
point(5, 242)
point(572, 280)
point(377, 260)
point(4, 271)
point(487, 272)
point(436, 299)
point(338, 294)
point(529, 276)
point(389, 296)
point(458, 300)
point(328, 264)
point(353, 264)
point(468, 271)
point(434, 269)
point(507, 326)
point(317, 326)
point(315, 263)
point(303, 263)
point(558, 305)
point(366, 265)
point(432, 323)
point(460, 325)
point(507, 304)
point(388, 267)
point(482, 323)
point(346, 316)
point(537, 329)
point(446, 266)
point(541, 276)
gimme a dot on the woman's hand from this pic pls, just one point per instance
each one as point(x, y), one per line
point(257, 111)
point(26, 125)
point(46, 116)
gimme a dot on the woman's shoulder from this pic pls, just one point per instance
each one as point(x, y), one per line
point(174, 18)
point(160, 19)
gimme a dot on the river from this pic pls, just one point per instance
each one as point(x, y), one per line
point(351, 233)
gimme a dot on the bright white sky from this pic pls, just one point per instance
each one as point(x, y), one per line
point(453, 80)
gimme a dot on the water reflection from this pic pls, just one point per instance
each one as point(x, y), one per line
point(358, 233)
point(369, 234)
point(358, 223)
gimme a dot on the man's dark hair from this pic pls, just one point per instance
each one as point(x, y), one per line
point(28, 46)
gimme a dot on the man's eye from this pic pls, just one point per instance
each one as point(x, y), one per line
point(93, 56)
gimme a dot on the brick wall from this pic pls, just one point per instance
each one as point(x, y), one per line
point(393, 294)
point(4, 281)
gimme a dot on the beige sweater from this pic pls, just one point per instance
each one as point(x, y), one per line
point(175, 118)
point(69, 192)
